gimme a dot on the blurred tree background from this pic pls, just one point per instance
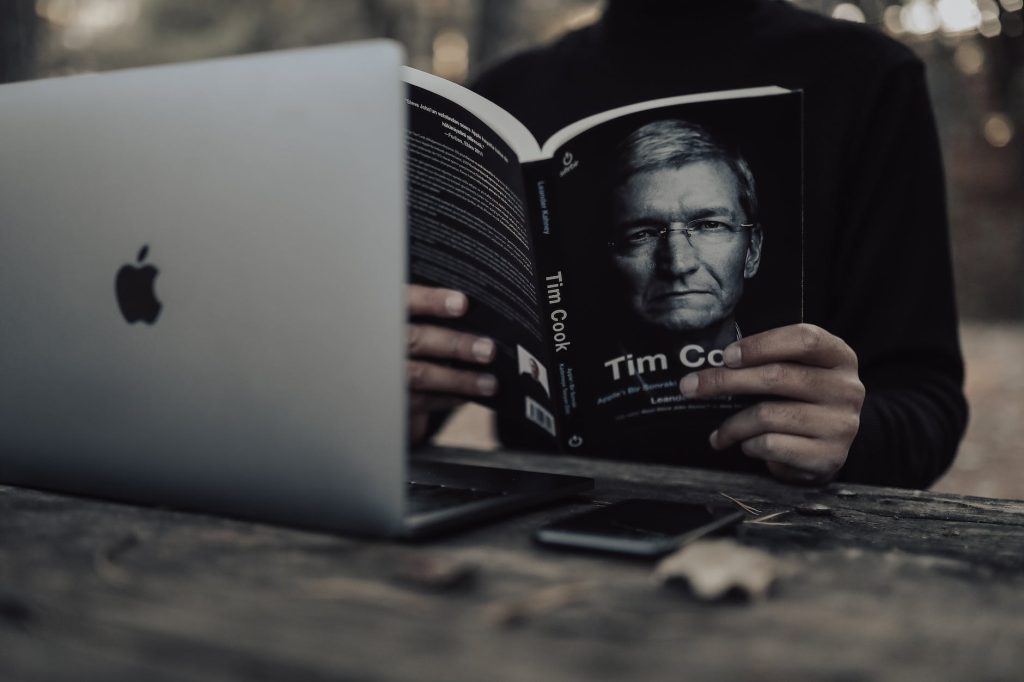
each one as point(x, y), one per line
point(974, 50)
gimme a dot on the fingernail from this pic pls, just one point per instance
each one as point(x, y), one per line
point(688, 386)
point(733, 356)
point(487, 385)
point(483, 350)
point(456, 303)
point(713, 439)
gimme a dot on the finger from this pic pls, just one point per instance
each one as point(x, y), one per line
point(804, 454)
point(803, 343)
point(438, 342)
point(436, 302)
point(796, 418)
point(426, 376)
point(432, 402)
point(787, 380)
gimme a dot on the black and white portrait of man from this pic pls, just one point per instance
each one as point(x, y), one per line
point(684, 236)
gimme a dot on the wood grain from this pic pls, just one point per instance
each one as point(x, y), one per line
point(892, 585)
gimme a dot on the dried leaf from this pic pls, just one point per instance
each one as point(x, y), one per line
point(362, 590)
point(517, 611)
point(714, 569)
point(435, 573)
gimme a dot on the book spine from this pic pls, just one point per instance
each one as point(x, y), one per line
point(555, 303)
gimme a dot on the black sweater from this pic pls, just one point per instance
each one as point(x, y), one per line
point(878, 270)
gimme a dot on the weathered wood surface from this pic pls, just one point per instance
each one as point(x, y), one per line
point(893, 585)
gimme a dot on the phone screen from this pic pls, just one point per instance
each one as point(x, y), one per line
point(638, 527)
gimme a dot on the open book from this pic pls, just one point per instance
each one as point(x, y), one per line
point(627, 250)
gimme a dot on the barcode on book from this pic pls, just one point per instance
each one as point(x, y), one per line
point(536, 413)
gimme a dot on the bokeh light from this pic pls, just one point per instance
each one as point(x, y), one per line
point(849, 12)
point(892, 20)
point(920, 17)
point(582, 17)
point(969, 58)
point(82, 21)
point(958, 16)
point(998, 130)
point(451, 55)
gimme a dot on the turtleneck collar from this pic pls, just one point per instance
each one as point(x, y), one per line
point(629, 19)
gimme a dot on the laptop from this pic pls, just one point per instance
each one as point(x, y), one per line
point(202, 295)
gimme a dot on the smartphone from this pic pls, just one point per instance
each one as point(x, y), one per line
point(644, 528)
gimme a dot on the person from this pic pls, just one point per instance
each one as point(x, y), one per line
point(869, 388)
point(684, 235)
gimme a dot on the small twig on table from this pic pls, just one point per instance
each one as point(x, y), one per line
point(742, 505)
point(766, 520)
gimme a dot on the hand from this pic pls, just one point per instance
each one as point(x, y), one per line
point(806, 438)
point(434, 387)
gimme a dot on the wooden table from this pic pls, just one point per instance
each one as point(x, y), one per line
point(892, 585)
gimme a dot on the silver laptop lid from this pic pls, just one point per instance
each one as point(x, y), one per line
point(268, 192)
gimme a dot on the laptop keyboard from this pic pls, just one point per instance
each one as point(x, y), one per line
point(424, 497)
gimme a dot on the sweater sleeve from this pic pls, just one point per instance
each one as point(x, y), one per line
point(892, 288)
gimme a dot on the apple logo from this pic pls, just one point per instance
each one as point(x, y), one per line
point(134, 289)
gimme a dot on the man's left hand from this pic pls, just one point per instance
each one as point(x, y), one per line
point(806, 437)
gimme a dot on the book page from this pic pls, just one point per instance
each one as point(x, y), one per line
point(469, 231)
point(679, 230)
point(502, 123)
point(559, 138)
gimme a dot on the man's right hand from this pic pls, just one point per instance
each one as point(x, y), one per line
point(434, 387)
